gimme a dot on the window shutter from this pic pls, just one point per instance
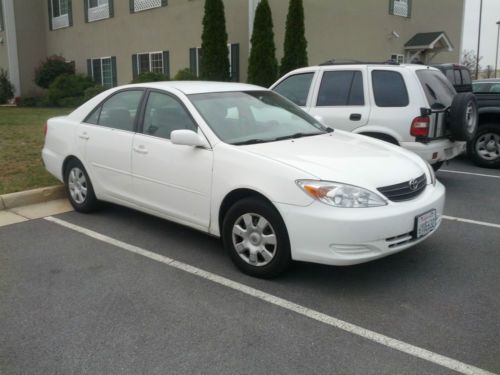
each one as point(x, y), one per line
point(113, 68)
point(131, 5)
point(135, 70)
point(164, 3)
point(166, 63)
point(111, 8)
point(49, 2)
point(70, 13)
point(235, 62)
point(89, 66)
point(192, 60)
point(86, 10)
point(409, 9)
point(391, 6)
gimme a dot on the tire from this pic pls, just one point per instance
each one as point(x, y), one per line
point(245, 226)
point(463, 117)
point(437, 165)
point(79, 188)
point(484, 149)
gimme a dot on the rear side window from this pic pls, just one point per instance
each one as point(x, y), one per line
point(296, 88)
point(389, 89)
point(458, 78)
point(438, 90)
point(466, 80)
point(341, 88)
point(451, 76)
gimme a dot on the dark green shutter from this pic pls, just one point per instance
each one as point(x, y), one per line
point(391, 6)
point(235, 62)
point(113, 68)
point(409, 8)
point(192, 60)
point(86, 10)
point(166, 63)
point(135, 70)
point(131, 5)
point(89, 66)
point(70, 13)
point(111, 9)
point(49, 2)
point(200, 58)
point(164, 3)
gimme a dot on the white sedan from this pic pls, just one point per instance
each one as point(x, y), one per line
point(241, 162)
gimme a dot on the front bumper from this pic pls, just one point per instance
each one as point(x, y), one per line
point(443, 149)
point(344, 236)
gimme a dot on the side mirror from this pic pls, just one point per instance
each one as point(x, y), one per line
point(187, 138)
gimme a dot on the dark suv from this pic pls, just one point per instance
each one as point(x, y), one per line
point(458, 75)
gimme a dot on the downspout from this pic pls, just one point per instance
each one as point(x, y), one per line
point(11, 39)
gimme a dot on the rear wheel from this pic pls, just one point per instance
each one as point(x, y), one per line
point(484, 149)
point(256, 239)
point(79, 188)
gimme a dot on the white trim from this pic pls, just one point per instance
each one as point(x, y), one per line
point(11, 39)
point(252, 6)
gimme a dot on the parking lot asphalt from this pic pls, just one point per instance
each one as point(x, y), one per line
point(71, 303)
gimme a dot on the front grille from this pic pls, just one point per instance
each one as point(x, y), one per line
point(405, 190)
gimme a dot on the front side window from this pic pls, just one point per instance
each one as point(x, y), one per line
point(59, 14)
point(103, 71)
point(341, 88)
point(118, 112)
point(296, 88)
point(164, 114)
point(389, 89)
point(400, 8)
point(246, 117)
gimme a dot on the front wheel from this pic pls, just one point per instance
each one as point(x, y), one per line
point(256, 238)
point(79, 188)
point(484, 149)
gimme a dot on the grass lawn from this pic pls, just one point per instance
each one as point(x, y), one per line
point(21, 142)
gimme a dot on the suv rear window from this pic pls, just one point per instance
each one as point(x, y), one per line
point(438, 90)
point(341, 88)
point(296, 88)
point(389, 89)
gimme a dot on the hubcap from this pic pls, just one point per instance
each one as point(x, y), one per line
point(488, 146)
point(254, 239)
point(470, 116)
point(77, 184)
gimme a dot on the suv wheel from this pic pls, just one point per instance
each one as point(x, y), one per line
point(463, 117)
point(484, 149)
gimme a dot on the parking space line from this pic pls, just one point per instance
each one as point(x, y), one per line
point(469, 173)
point(395, 344)
point(484, 223)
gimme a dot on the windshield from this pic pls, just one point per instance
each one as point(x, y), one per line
point(246, 117)
point(438, 90)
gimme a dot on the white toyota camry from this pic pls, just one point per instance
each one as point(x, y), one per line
point(243, 163)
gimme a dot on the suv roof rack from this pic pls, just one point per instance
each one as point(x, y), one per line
point(357, 62)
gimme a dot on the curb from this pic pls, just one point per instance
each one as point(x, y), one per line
point(24, 198)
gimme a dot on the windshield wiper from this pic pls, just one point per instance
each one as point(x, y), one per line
point(295, 135)
point(252, 142)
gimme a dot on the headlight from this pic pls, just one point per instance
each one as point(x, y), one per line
point(432, 174)
point(341, 195)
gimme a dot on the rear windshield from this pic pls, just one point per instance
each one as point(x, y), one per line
point(438, 90)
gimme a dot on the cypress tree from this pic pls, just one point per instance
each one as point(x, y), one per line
point(295, 47)
point(262, 63)
point(214, 62)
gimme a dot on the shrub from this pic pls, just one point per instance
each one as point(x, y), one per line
point(295, 47)
point(92, 91)
point(28, 101)
point(185, 75)
point(50, 69)
point(6, 88)
point(150, 77)
point(69, 89)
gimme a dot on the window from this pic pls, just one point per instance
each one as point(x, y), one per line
point(438, 90)
point(466, 80)
point(400, 59)
point(341, 88)
point(296, 88)
point(60, 14)
point(118, 112)
point(164, 114)
point(156, 62)
point(103, 71)
point(140, 5)
point(195, 60)
point(389, 89)
point(96, 10)
point(2, 27)
point(400, 8)
point(234, 62)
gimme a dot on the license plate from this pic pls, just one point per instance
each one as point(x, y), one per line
point(425, 223)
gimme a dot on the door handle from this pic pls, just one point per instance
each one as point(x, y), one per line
point(141, 149)
point(355, 116)
point(83, 135)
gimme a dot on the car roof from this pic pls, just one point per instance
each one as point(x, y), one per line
point(358, 65)
point(197, 87)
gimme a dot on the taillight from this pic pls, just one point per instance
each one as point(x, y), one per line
point(45, 129)
point(420, 126)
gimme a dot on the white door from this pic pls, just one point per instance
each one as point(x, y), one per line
point(107, 137)
point(341, 100)
point(172, 180)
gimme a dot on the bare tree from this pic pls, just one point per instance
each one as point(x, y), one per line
point(469, 59)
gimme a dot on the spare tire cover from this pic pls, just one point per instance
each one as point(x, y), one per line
point(463, 116)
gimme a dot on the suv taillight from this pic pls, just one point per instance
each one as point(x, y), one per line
point(45, 129)
point(420, 126)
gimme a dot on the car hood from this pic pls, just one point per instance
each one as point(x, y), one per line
point(345, 157)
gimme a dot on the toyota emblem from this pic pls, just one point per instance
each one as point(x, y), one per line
point(413, 184)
